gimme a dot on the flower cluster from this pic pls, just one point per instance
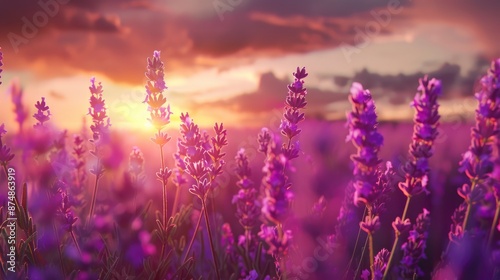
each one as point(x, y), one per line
point(278, 196)
point(362, 123)
point(414, 248)
point(203, 158)
point(16, 95)
point(159, 115)
point(5, 155)
point(43, 113)
point(79, 161)
point(247, 204)
point(65, 214)
point(278, 245)
point(136, 162)
point(379, 266)
point(424, 134)
point(478, 161)
point(97, 111)
point(294, 102)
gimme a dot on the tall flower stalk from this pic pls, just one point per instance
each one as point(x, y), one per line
point(491, 83)
point(477, 162)
point(362, 123)
point(5, 154)
point(414, 247)
point(247, 204)
point(203, 161)
point(16, 94)
point(278, 195)
point(426, 122)
point(100, 135)
point(159, 118)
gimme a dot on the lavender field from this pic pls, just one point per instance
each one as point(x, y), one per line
point(167, 140)
point(249, 204)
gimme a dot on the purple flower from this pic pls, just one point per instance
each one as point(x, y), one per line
point(370, 224)
point(247, 205)
point(478, 161)
point(136, 162)
point(5, 155)
point(16, 93)
point(227, 238)
point(379, 266)
point(264, 140)
point(362, 123)
point(159, 114)
point(97, 110)
point(414, 248)
point(275, 205)
point(294, 102)
point(43, 113)
point(424, 134)
point(277, 246)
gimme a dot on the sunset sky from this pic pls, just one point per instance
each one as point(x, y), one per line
point(230, 60)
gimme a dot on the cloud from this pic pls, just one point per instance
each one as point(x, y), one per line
point(271, 94)
point(401, 87)
point(114, 37)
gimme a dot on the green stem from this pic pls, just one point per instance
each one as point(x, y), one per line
point(361, 259)
point(76, 243)
point(165, 205)
point(194, 235)
point(370, 247)
point(354, 250)
point(469, 207)
point(493, 225)
point(59, 250)
point(94, 193)
point(214, 255)
point(396, 240)
point(176, 199)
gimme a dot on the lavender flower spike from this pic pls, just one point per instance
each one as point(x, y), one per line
point(477, 162)
point(414, 248)
point(362, 123)
point(247, 204)
point(43, 113)
point(295, 101)
point(424, 134)
point(5, 155)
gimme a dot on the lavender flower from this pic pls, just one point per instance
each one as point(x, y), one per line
point(379, 266)
point(247, 205)
point(278, 196)
point(79, 161)
point(362, 123)
point(414, 248)
point(43, 113)
point(294, 102)
point(97, 110)
point(264, 139)
point(456, 228)
point(136, 163)
point(227, 238)
point(477, 162)
point(278, 245)
point(100, 134)
point(424, 134)
point(159, 115)
point(16, 93)
point(5, 155)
